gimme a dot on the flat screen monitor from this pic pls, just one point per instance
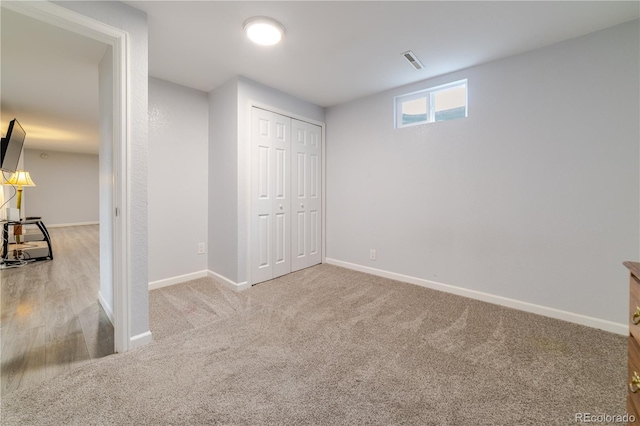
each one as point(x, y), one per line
point(11, 147)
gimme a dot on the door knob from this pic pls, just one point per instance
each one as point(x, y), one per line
point(635, 381)
point(302, 206)
point(280, 206)
point(636, 316)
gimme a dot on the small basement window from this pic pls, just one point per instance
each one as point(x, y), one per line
point(440, 103)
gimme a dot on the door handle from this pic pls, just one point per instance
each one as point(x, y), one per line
point(302, 206)
point(280, 206)
point(635, 381)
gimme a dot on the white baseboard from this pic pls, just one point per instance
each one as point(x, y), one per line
point(546, 311)
point(177, 279)
point(63, 225)
point(140, 340)
point(229, 283)
point(105, 306)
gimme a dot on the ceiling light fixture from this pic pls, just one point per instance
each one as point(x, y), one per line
point(263, 30)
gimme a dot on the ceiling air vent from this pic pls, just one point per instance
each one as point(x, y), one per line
point(413, 60)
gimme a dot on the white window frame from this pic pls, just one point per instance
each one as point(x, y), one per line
point(428, 94)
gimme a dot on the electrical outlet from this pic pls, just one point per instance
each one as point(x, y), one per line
point(372, 254)
point(201, 248)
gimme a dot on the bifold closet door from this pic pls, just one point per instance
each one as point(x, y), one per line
point(306, 178)
point(270, 187)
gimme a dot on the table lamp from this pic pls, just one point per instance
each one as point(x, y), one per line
point(20, 179)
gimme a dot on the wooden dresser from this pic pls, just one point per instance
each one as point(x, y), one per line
point(633, 390)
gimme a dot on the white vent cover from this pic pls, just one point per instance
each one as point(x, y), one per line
point(413, 60)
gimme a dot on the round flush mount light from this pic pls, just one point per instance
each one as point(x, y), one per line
point(263, 30)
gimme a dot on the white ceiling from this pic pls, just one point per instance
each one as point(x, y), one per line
point(332, 51)
point(336, 51)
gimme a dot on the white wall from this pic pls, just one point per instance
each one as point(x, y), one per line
point(249, 90)
point(223, 180)
point(178, 157)
point(134, 22)
point(533, 197)
point(66, 190)
point(105, 173)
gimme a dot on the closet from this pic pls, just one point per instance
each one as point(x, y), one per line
point(286, 176)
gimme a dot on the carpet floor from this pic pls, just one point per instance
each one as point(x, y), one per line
point(330, 346)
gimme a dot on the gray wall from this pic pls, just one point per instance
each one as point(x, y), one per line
point(134, 22)
point(223, 180)
point(178, 150)
point(66, 190)
point(534, 196)
point(105, 108)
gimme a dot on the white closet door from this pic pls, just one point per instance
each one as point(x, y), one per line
point(271, 203)
point(306, 194)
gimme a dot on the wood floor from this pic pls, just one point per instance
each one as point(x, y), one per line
point(51, 320)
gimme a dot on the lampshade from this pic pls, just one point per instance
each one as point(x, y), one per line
point(20, 178)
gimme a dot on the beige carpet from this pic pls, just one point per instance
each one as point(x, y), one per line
point(332, 346)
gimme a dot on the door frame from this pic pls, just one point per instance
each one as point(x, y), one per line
point(72, 21)
point(249, 176)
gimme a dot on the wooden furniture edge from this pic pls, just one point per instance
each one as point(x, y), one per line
point(634, 268)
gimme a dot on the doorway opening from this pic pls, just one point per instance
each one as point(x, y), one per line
point(65, 314)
